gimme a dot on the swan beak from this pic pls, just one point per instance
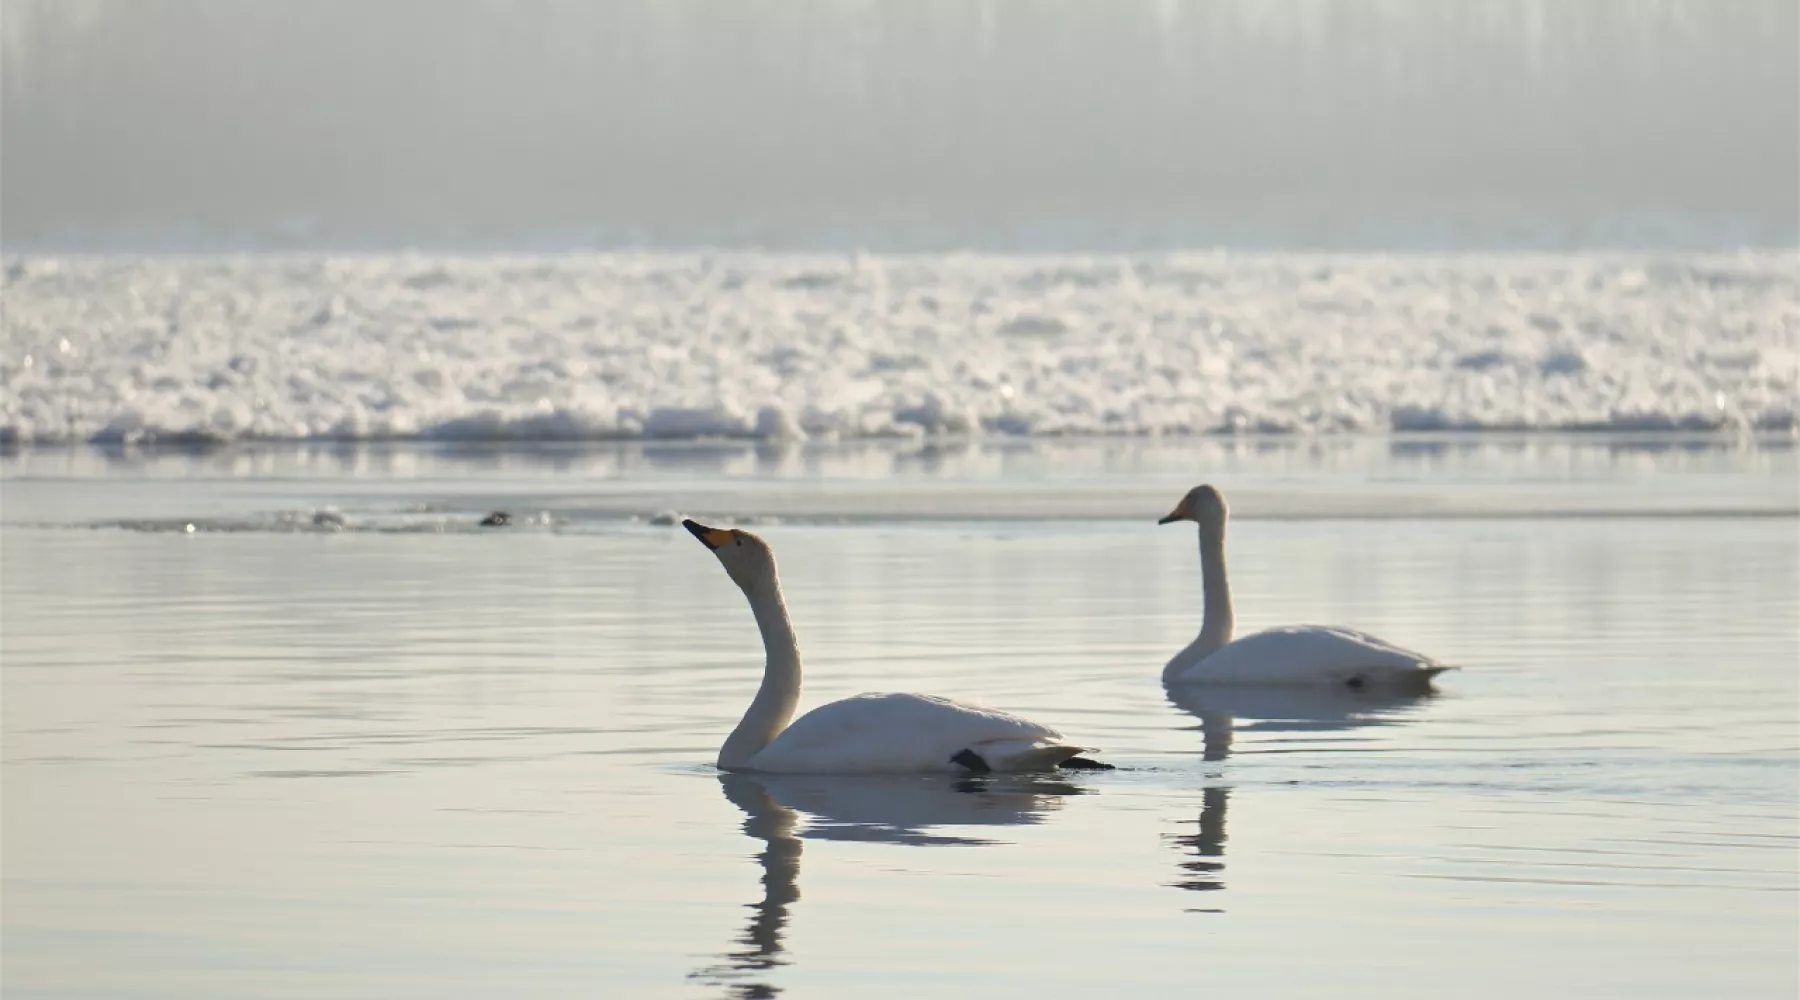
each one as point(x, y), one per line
point(712, 538)
point(1178, 514)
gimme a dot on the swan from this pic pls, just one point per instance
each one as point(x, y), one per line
point(870, 733)
point(1296, 655)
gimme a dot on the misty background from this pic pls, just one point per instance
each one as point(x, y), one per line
point(913, 124)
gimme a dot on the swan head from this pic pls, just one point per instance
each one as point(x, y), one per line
point(1204, 505)
point(747, 559)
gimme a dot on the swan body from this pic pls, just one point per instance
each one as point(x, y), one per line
point(1298, 655)
point(1311, 654)
point(909, 733)
point(869, 733)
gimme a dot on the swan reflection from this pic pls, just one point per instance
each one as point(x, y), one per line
point(1205, 873)
point(759, 946)
point(1225, 711)
point(894, 810)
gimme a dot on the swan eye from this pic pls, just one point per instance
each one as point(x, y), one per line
point(738, 542)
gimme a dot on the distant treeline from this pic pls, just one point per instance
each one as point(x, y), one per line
point(1003, 123)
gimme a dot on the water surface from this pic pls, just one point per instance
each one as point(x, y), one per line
point(404, 757)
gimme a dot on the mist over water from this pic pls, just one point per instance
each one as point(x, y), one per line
point(352, 646)
point(818, 124)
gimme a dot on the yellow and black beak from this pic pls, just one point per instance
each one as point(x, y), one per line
point(1178, 514)
point(712, 538)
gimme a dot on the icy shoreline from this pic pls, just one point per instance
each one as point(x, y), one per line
point(201, 350)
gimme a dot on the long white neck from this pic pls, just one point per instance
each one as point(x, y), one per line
point(1216, 621)
point(773, 707)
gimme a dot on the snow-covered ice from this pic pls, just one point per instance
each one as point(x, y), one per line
point(141, 349)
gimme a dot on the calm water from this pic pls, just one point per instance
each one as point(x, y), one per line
point(410, 758)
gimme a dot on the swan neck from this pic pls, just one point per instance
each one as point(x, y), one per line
point(1216, 618)
point(773, 707)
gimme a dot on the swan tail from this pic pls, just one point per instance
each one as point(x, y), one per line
point(1419, 681)
point(1016, 755)
point(1411, 679)
point(1430, 671)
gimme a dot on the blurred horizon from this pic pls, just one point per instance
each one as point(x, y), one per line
point(997, 125)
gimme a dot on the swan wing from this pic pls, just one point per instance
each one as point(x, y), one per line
point(1315, 655)
point(910, 733)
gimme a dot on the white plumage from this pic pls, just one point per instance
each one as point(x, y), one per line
point(867, 734)
point(1312, 654)
point(1297, 655)
point(908, 733)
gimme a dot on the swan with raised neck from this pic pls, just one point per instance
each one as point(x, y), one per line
point(1291, 655)
point(870, 733)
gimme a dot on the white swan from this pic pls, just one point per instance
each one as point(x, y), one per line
point(870, 733)
point(1294, 655)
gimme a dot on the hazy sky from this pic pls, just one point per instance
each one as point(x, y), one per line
point(899, 124)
